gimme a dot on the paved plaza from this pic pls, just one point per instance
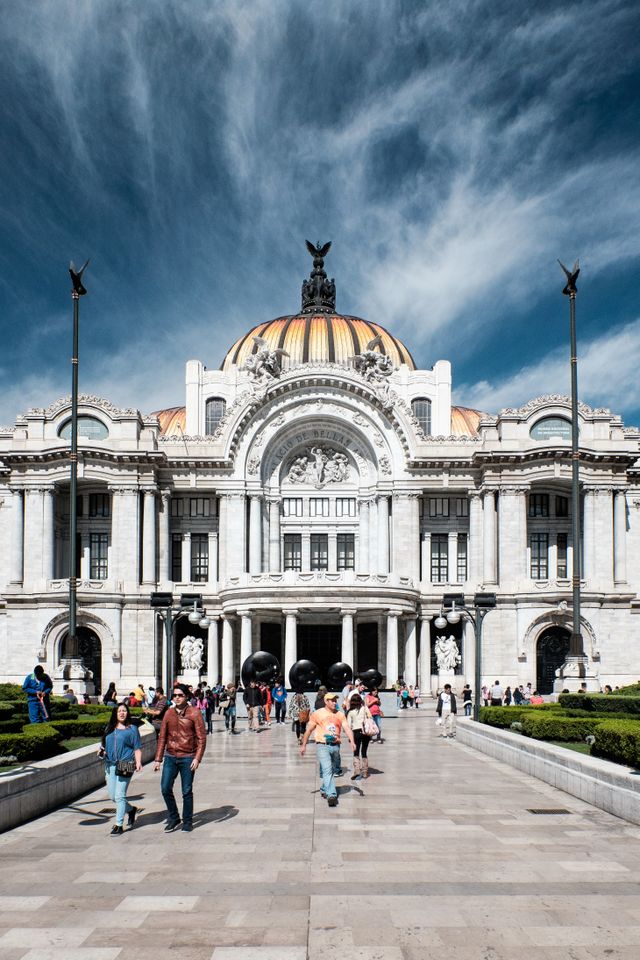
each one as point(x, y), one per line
point(437, 855)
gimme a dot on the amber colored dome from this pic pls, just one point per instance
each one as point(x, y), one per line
point(464, 421)
point(172, 420)
point(317, 337)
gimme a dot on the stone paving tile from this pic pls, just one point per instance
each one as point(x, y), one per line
point(436, 855)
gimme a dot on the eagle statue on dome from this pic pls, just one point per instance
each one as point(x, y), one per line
point(372, 364)
point(318, 252)
point(265, 364)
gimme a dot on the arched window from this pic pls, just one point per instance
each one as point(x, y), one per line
point(422, 411)
point(88, 427)
point(214, 414)
point(551, 427)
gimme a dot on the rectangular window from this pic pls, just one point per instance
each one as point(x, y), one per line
point(319, 507)
point(562, 506)
point(98, 504)
point(539, 544)
point(561, 567)
point(439, 557)
point(462, 558)
point(79, 505)
point(200, 507)
point(346, 551)
point(319, 551)
point(539, 505)
point(292, 551)
point(199, 558)
point(177, 507)
point(98, 554)
point(176, 558)
point(462, 507)
point(438, 506)
point(292, 507)
point(345, 507)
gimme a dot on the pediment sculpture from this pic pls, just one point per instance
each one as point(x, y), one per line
point(265, 364)
point(373, 364)
point(319, 466)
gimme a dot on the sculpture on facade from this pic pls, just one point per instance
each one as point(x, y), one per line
point(372, 364)
point(191, 653)
point(319, 466)
point(265, 364)
point(318, 293)
point(447, 653)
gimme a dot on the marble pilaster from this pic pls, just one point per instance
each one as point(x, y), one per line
point(213, 654)
point(410, 652)
point(228, 671)
point(275, 562)
point(392, 648)
point(255, 534)
point(17, 536)
point(290, 641)
point(245, 635)
point(489, 540)
point(164, 537)
point(363, 537)
point(620, 536)
point(347, 651)
point(383, 534)
point(149, 537)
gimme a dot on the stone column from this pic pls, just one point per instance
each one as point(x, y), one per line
point(255, 534)
point(332, 551)
point(213, 659)
point(489, 542)
point(424, 659)
point(363, 537)
point(290, 642)
point(604, 538)
point(186, 558)
point(620, 537)
point(414, 542)
point(383, 535)
point(245, 635)
point(306, 551)
point(17, 538)
point(48, 534)
point(165, 537)
point(85, 556)
point(426, 557)
point(513, 534)
point(588, 537)
point(222, 538)
point(32, 535)
point(228, 672)
point(410, 652)
point(213, 558)
point(452, 557)
point(392, 647)
point(373, 536)
point(149, 538)
point(275, 562)
point(347, 639)
point(236, 535)
point(474, 574)
point(125, 525)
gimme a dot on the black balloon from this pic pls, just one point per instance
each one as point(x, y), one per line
point(371, 678)
point(260, 666)
point(338, 674)
point(303, 675)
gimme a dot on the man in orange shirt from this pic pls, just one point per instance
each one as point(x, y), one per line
point(327, 725)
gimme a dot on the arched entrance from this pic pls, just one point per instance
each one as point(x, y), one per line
point(90, 650)
point(551, 652)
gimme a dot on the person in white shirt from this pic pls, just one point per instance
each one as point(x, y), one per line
point(497, 694)
point(447, 710)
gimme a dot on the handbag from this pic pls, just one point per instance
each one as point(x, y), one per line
point(303, 716)
point(124, 768)
point(369, 726)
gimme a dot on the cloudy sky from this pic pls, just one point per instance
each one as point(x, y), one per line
point(451, 151)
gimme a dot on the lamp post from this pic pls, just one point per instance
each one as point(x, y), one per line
point(163, 604)
point(78, 291)
point(453, 608)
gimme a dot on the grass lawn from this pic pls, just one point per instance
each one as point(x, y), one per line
point(73, 743)
point(579, 747)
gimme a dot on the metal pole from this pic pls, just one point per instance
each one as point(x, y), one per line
point(168, 623)
point(72, 641)
point(477, 628)
point(576, 648)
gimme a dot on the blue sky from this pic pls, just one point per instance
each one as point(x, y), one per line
point(451, 151)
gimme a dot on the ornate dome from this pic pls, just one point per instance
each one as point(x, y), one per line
point(465, 421)
point(319, 336)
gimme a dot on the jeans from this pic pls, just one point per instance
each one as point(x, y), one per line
point(230, 717)
point(329, 760)
point(171, 767)
point(467, 708)
point(281, 711)
point(36, 711)
point(378, 722)
point(362, 744)
point(117, 787)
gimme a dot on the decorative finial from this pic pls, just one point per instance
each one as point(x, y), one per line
point(79, 289)
point(318, 293)
point(572, 275)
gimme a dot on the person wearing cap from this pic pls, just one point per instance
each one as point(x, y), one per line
point(327, 725)
point(181, 744)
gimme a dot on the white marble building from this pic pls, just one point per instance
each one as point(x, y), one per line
point(322, 500)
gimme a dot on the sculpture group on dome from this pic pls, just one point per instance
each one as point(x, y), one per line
point(265, 364)
point(319, 466)
point(371, 364)
point(318, 292)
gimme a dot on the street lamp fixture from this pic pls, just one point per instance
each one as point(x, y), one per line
point(453, 609)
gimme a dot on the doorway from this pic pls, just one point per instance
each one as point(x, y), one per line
point(90, 651)
point(551, 652)
point(367, 648)
point(271, 640)
point(320, 643)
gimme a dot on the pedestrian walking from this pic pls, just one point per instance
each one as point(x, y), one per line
point(299, 711)
point(180, 749)
point(447, 710)
point(416, 697)
point(372, 700)
point(467, 695)
point(507, 697)
point(327, 725)
point(227, 700)
point(35, 688)
point(267, 701)
point(253, 701)
point(279, 696)
point(363, 727)
point(320, 695)
point(122, 753)
point(155, 713)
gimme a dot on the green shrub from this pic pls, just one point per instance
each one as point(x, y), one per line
point(60, 705)
point(12, 726)
point(6, 710)
point(618, 740)
point(601, 702)
point(505, 716)
point(633, 690)
point(17, 707)
point(551, 727)
point(11, 691)
point(82, 727)
point(99, 708)
point(36, 742)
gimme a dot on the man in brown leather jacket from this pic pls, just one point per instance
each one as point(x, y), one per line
point(181, 743)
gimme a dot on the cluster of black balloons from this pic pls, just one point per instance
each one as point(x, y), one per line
point(263, 667)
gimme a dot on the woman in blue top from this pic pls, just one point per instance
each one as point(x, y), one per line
point(120, 741)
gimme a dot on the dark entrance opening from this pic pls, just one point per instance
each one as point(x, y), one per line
point(271, 641)
point(367, 648)
point(551, 652)
point(451, 630)
point(320, 643)
point(90, 650)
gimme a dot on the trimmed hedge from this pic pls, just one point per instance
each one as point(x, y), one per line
point(82, 727)
point(505, 716)
point(618, 740)
point(12, 726)
point(37, 742)
point(633, 690)
point(11, 691)
point(601, 702)
point(548, 727)
point(6, 710)
point(100, 708)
